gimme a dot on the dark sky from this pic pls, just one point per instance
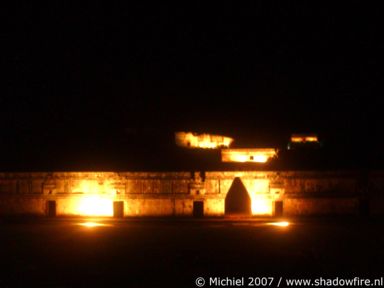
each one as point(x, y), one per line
point(94, 78)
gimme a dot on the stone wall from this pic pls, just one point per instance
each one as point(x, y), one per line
point(26, 205)
point(321, 206)
point(174, 193)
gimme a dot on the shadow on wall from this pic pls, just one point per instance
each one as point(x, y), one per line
point(237, 201)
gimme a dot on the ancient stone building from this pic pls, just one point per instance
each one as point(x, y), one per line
point(202, 141)
point(198, 193)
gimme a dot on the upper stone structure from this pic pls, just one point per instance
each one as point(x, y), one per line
point(257, 155)
point(206, 141)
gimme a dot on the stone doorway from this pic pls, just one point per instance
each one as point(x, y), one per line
point(198, 209)
point(278, 209)
point(51, 208)
point(237, 201)
point(118, 209)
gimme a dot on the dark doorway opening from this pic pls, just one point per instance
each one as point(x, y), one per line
point(237, 201)
point(118, 209)
point(364, 207)
point(198, 209)
point(278, 208)
point(51, 208)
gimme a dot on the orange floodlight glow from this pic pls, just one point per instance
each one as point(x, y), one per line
point(299, 138)
point(204, 141)
point(95, 205)
point(261, 206)
point(91, 224)
point(280, 224)
point(93, 198)
point(256, 155)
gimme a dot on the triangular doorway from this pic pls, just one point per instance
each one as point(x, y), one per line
point(237, 201)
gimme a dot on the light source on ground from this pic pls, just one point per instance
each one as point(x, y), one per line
point(91, 224)
point(280, 223)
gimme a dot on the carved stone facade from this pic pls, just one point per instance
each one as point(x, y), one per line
point(176, 193)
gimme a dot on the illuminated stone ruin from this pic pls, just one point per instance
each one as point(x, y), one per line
point(195, 193)
point(304, 138)
point(204, 141)
point(256, 155)
point(204, 193)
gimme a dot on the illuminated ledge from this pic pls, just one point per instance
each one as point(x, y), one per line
point(304, 138)
point(205, 141)
point(255, 155)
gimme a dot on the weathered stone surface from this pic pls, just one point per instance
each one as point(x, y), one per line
point(173, 193)
point(321, 206)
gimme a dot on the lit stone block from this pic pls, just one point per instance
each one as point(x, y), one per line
point(204, 141)
point(256, 155)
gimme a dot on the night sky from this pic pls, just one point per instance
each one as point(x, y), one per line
point(86, 86)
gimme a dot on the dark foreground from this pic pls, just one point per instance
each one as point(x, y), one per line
point(173, 253)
